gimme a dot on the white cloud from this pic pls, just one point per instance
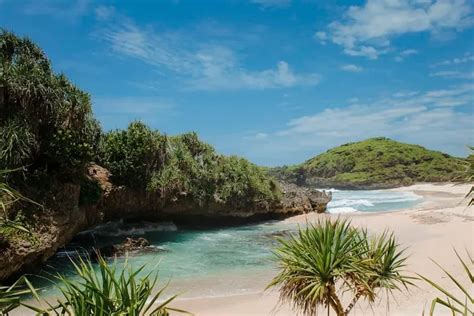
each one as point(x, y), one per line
point(321, 36)
point(405, 53)
point(428, 118)
point(408, 52)
point(453, 74)
point(351, 68)
point(272, 3)
point(261, 135)
point(366, 30)
point(466, 58)
point(58, 9)
point(103, 12)
point(207, 67)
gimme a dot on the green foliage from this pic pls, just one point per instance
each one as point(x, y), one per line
point(462, 301)
point(131, 155)
point(16, 229)
point(325, 260)
point(111, 290)
point(11, 296)
point(183, 168)
point(46, 122)
point(376, 161)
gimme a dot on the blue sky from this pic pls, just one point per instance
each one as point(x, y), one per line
point(276, 81)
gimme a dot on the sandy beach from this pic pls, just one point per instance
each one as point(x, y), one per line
point(430, 230)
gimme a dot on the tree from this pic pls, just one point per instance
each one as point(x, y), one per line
point(46, 123)
point(330, 258)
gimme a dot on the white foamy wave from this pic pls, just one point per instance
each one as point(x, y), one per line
point(329, 190)
point(341, 210)
point(350, 202)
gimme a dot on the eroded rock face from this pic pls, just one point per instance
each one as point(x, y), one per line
point(63, 218)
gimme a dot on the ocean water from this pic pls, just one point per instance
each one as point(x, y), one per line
point(201, 260)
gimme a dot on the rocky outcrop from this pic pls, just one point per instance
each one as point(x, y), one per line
point(128, 246)
point(63, 217)
point(53, 227)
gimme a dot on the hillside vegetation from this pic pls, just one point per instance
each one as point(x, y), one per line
point(375, 162)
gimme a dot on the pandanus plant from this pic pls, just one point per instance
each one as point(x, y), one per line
point(329, 258)
point(461, 300)
point(110, 289)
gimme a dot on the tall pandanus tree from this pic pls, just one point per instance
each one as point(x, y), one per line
point(329, 258)
point(46, 122)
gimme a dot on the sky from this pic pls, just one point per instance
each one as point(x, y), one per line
point(275, 81)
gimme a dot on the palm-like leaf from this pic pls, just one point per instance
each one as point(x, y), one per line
point(324, 260)
point(461, 302)
point(11, 296)
point(111, 290)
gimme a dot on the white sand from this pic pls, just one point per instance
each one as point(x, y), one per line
point(430, 230)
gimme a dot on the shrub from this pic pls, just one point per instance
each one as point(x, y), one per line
point(132, 155)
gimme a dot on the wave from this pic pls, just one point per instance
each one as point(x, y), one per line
point(342, 210)
point(350, 202)
point(328, 190)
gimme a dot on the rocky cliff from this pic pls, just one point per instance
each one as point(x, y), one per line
point(63, 217)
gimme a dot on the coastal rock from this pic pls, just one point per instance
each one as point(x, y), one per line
point(128, 246)
point(64, 216)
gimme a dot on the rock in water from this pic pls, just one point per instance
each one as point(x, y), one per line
point(129, 245)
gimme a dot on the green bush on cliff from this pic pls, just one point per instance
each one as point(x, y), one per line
point(183, 168)
point(46, 123)
point(376, 161)
point(131, 155)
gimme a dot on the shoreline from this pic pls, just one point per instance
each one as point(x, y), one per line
point(429, 230)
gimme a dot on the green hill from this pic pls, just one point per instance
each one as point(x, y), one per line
point(376, 162)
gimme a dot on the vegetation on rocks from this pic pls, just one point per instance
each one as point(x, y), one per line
point(47, 129)
point(375, 162)
point(183, 168)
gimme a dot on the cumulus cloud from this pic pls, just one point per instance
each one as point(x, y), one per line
point(207, 67)
point(367, 30)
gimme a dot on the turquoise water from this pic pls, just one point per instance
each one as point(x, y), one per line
point(192, 254)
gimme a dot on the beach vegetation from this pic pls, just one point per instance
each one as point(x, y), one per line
point(110, 289)
point(326, 262)
point(11, 296)
point(461, 300)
